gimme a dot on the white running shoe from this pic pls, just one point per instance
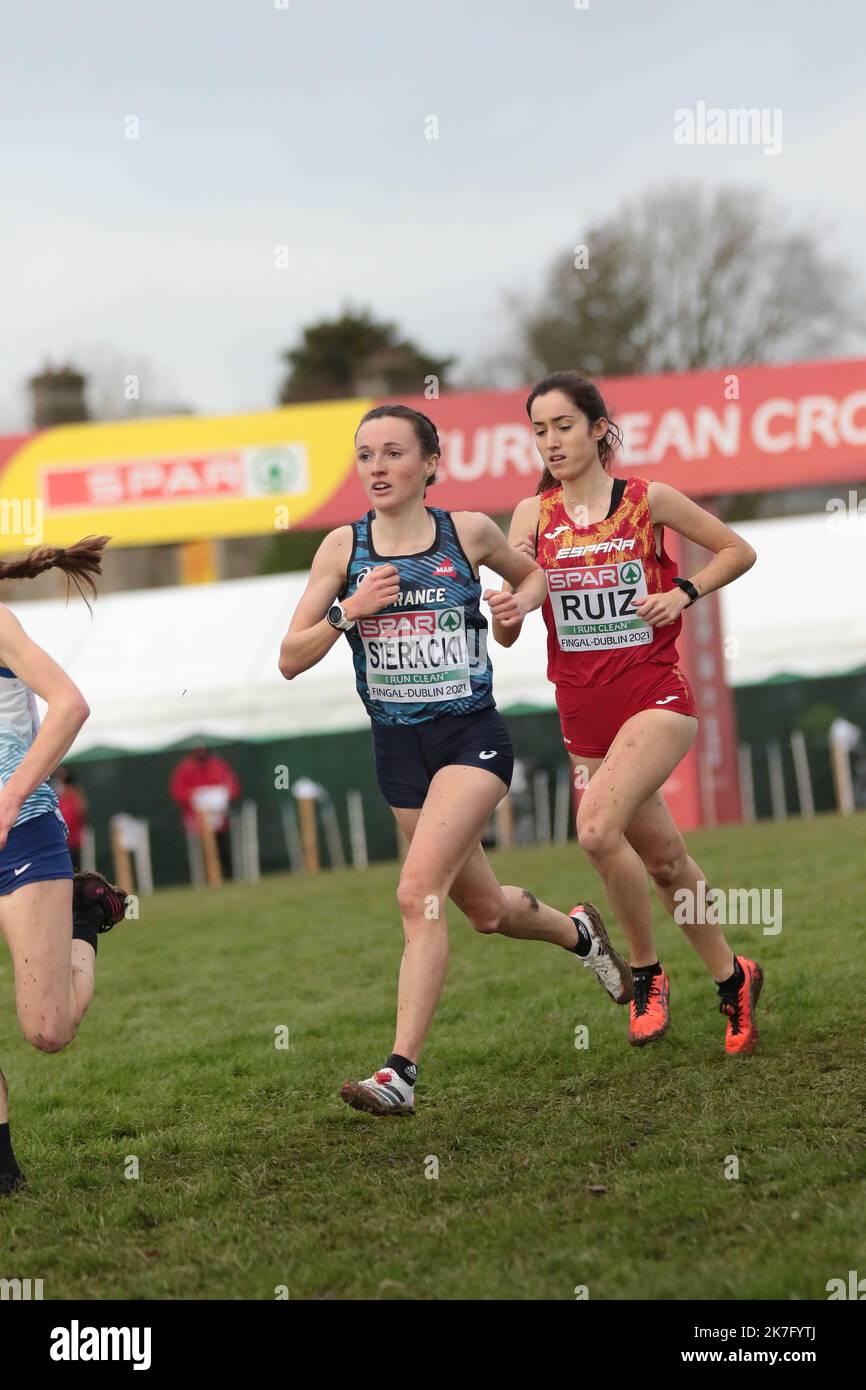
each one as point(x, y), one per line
point(614, 973)
point(383, 1093)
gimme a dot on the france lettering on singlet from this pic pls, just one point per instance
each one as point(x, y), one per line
point(426, 655)
point(19, 725)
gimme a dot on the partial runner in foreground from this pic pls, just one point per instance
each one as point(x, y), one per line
point(403, 584)
point(50, 917)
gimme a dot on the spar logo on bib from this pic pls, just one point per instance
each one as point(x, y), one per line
point(416, 656)
point(593, 606)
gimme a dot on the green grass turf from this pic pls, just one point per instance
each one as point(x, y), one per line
point(253, 1173)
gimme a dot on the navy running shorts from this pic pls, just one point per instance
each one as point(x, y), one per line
point(35, 850)
point(408, 756)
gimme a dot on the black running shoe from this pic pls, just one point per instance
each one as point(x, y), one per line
point(91, 888)
point(12, 1181)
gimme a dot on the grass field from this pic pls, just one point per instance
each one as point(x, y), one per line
point(253, 1174)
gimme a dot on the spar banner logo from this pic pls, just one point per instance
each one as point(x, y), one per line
point(204, 476)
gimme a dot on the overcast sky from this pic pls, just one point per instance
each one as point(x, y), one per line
point(304, 126)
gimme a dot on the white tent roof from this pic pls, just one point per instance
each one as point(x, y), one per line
point(802, 607)
point(161, 665)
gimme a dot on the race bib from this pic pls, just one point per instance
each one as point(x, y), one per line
point(593, 606)
point(416, 656)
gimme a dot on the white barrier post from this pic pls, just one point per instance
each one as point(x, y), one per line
point(747, 781)
point(333, 838)
point(840, 761)
point(236, 844)
point(777, 780)
point(88, 849)
point(143, 865)
point(293, 838)
point(541, 794)
point(357, 829)
point(802, 773)
point(250, 841)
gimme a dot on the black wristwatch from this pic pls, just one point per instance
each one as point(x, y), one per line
point(337, 617)
point(688, 588)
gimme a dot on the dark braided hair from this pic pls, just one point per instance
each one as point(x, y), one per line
point(79, 562)
point(425, 431)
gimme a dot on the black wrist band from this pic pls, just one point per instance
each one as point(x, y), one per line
point(688, 588)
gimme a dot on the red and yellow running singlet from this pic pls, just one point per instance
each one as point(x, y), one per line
point(595, 574)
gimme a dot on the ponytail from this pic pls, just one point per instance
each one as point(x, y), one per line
point(80, 563)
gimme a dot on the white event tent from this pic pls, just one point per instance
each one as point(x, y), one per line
point(161, 665)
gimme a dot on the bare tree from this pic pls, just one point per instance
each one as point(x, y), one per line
point(686, 278)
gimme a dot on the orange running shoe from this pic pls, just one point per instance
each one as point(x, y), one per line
point(650, 1014)
point(739, 1004)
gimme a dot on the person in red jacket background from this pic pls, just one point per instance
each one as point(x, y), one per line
point(73, 809)
point(196, 784)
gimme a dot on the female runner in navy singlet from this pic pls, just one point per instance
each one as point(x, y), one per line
point(402, 583)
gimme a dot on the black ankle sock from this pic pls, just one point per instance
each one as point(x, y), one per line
point(733, 981)
point(11, 1176)
point(86, 922)
point(406, 1070)
point(647, 970)
point(5, 1146)
point(583, 943)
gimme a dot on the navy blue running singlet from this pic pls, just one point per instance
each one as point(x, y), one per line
point(426, 655)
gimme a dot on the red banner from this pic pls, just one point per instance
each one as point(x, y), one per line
point(748, 429)
point(707, 433)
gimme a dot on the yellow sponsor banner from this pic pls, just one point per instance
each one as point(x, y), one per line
point(189, 478)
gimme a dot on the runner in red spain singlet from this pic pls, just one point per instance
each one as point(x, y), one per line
point(613, 613)
point(595, 635)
